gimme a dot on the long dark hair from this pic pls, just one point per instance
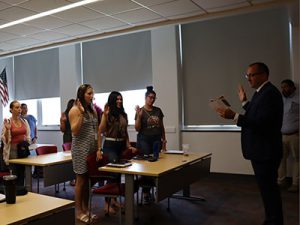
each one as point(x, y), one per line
point(69, 106)
point(114, 111)
point(80, 95)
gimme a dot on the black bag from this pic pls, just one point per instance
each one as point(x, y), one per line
point(23, 150)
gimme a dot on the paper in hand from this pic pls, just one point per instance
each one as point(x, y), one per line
point(219, 103)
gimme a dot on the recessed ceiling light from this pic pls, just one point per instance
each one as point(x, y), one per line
point(49, 12)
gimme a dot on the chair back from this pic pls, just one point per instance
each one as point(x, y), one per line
point(93, 165)
point(67, 146)
point(42, 150)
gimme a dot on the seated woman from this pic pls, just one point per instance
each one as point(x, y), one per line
point(15, 130)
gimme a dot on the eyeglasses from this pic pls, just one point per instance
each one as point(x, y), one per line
point(252, 75)
point(152, 97)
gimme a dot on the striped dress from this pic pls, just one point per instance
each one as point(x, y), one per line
point(84, 143)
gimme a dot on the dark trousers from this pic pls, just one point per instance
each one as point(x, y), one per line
point(266, 176)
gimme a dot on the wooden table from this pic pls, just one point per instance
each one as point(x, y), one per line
point(171, 174)
point(57, 168)
point(34, 209)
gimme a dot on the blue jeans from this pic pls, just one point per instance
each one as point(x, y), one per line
point(147, 143)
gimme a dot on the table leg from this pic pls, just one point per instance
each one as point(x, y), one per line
point(186, 194)
point(28, 177)
point(129, 199)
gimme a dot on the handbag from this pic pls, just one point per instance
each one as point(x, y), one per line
point(23, 149)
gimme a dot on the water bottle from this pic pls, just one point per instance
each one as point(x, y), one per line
point(10, 188)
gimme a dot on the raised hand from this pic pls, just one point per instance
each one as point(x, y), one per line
point(138, 110)
point(79, 105)
point(242, 93)
point(7, 124)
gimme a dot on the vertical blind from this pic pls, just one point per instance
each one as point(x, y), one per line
point(216, 54)
point(118, 63)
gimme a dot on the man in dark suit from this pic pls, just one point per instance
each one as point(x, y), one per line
point(261, 136)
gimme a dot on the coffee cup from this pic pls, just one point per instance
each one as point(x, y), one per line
point(10, 188)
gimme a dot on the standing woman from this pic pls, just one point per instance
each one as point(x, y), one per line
point(65, 126)
point(15, 130)
point(114, 127)
point(84, 122)
point(151, 131)
point(149, 124)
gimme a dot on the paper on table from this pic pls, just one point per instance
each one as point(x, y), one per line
point(2, 197)
point(218, 103)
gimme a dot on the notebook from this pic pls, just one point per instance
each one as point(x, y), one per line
point(174, 152)
point(2, 197)
point(120, 164)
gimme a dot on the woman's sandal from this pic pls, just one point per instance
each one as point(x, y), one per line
point(84, 218)
point(109, 210)
point(117, 205)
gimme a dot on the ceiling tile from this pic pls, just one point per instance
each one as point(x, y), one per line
point(74, 29)
point(79, 14)
point(4, 5)
point(7, 47)
point(49, 36)
point(49, 22)
point(138, 16)
point(113, 6)
point(24, 42)
point(21, 29)
point(43, 5)
point(3, 22)
point(13, 2)
point(261, 1)
point(153, 2)
point(15, 13)
point(5, 36)
point(215, 5)
point(180, 7)
point(104, 23)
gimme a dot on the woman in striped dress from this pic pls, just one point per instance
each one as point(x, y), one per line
point(84, 126)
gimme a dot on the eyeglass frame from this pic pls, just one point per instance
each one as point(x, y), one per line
point(247, 76)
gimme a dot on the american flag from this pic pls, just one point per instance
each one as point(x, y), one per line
point(3, 88)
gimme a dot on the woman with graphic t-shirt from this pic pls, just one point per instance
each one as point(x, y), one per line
point(150, 127)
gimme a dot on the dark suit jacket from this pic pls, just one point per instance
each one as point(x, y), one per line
point(261, 125)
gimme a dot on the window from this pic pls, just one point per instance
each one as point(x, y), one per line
point(130, 100)
point(50, 111)
point(31, 105)
point(47, 111)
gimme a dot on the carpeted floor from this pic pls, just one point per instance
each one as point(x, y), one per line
point(230, 200)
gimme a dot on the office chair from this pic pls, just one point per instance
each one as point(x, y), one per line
point(114, 189)
point(67, 147)
point(42, 150)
